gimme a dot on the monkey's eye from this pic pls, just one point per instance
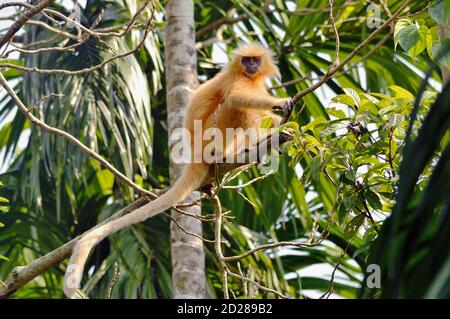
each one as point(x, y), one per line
point(246, 60)
point(257, 59)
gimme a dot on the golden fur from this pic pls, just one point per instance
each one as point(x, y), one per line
point(241, 101)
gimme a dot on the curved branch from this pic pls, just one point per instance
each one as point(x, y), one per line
point(22, 20)
point(150, 23)
point(33, 119)
point(22, 275)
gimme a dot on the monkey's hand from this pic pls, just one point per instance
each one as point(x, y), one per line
point(285, 106)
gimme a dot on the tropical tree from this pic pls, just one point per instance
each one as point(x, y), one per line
point(188, 258)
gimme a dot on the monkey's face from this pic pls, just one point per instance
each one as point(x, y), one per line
point(251, 64)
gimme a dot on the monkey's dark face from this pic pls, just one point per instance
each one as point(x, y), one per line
point(251, 64)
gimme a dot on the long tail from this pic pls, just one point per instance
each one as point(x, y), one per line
point(191, 179)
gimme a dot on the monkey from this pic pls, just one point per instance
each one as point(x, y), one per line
point(236, 97)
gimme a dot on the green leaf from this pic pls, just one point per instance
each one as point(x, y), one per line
point(401, 93)
point(432, 37)
point(436, 49)
point(4, 258)
point(409, 38)
point(353, 94)
point(330, 129)
point(363, 249)
point(353, 226)
point(336, 113)
point(291, 125)
point(343, 99)
point(105, 179)
point(440, 11)
point(422, 43)
point(368, 106)
point(342, 213)
point(266, 123)
point(373, 200)
point(399, 26)
point(11, 73)
point(412, 36)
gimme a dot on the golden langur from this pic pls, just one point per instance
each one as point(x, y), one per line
point(235, 98)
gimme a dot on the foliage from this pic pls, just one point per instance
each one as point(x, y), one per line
point(359, 154)
point(420, 31)
point(3, 209)
point(417, 232)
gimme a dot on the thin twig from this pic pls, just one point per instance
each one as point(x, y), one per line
point(347, 59)
point(330, 290)
point(24, 17)
point(218, 243)
point(271, 245)
point(227, 21)
point(113, 280)
point(186, 231)
point(149, 25)
point(248, 183)
point(243, 278)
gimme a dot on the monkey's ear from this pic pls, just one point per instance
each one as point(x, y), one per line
point(276, 71)
point(269, 68)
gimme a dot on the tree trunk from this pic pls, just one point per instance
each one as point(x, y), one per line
point(188, 258)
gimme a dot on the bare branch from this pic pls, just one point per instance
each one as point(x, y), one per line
point(149, 25)
point(249, 182)
point(243, 278)
point(338, 67)
point(44, 25)
point(200, 34)
point(186, 231)
point(272, 245)
point(291, 82)
point(23, 275)
point(24, 17)
point(218, 243)
point(113, 280)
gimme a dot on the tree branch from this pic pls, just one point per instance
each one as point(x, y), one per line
point(201, 33)
point(347, 59)
point(22, 20)
point(70, 138)
point(149, 24)
point(23, 275)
